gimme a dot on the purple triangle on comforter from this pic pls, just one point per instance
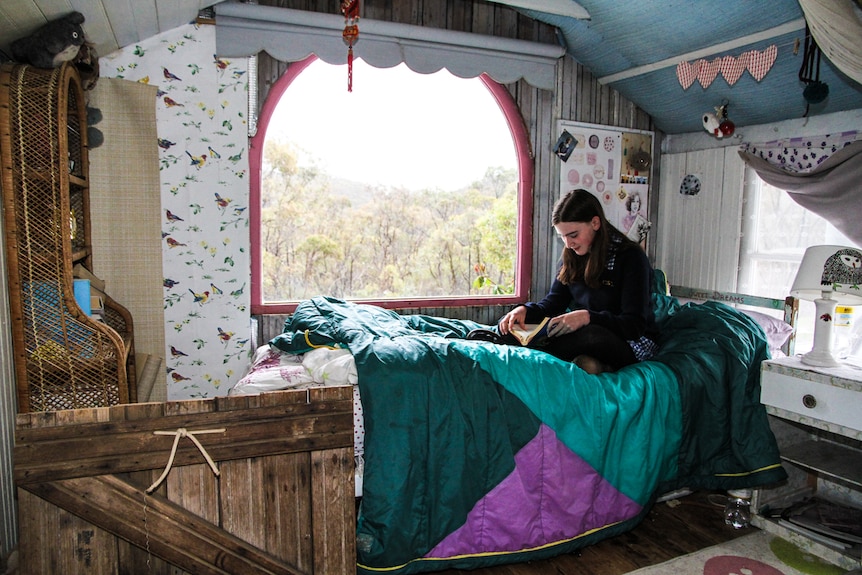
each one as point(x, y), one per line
point(566, 500)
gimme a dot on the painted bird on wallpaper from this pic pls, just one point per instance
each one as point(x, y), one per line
point(172, 243)
point(172, 218)
point(168, 76)
point(169, 283)
point(224, 335)
point(222, 202)
point(220, 64)
point(216, 290)
point(213, 153)
point(197, 161)
point(200, 298)
point(177, 353)
point(165, 144)
point(170, 102)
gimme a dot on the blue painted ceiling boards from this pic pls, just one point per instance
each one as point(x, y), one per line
point(635, 45)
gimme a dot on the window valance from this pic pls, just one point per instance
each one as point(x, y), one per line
point(291, 35)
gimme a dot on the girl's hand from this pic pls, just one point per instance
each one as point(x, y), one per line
point(514, 318)
point(568, 322)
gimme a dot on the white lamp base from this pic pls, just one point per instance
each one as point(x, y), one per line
point(820, 358)
point(821, 355)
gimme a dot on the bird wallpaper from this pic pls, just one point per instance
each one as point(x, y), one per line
point(201, 112)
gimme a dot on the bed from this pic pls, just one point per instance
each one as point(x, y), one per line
point(472, 454)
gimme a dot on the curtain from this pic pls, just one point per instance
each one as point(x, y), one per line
point(823, 177)
point(292, 35)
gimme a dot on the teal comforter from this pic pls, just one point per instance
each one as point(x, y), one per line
point(479, 454)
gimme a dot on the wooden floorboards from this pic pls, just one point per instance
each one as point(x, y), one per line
point(669, 530)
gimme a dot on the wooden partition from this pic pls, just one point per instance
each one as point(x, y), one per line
point(276, 497)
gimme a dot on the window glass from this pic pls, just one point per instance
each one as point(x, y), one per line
point(776, 233)
point(404, 188)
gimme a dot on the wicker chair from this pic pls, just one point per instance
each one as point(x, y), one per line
point(64, 359)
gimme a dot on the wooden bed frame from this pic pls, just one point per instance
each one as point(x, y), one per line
point(789, 306)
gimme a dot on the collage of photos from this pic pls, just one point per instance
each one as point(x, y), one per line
point(614, 165)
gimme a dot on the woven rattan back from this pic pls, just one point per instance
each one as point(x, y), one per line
point(64, 359)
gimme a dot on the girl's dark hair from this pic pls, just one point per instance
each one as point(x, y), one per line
point(582, 206)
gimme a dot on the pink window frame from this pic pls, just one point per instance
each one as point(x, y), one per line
point(523, 264)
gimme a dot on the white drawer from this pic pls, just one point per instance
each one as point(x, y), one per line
point(810, 399)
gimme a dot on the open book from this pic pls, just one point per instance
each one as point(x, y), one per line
point(531, 331)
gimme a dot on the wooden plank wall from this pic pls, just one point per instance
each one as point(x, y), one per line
point(698, 240)
point(577, 97)
point(283, 502)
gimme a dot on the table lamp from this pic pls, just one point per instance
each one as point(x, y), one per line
point(828, 275)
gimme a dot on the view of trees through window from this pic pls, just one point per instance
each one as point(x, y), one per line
point(405, 187)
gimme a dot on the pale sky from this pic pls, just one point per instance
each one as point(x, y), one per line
point(449, 130)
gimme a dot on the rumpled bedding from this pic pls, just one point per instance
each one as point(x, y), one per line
point(479, 454)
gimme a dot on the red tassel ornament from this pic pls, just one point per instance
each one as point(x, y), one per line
point(350, 35)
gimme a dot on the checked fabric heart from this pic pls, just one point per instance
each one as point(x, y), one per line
point(707, 71)
point(758, 63)
point(733, 68)
point(686, 72)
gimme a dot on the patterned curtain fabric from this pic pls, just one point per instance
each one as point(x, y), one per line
point(822, 174)
point(800, 155)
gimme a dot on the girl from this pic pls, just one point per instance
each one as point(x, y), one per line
point(600, 307)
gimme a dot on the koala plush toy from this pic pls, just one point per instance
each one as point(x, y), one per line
point(56, 42)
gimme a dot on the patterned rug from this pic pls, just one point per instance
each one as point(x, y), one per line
point(757, 554)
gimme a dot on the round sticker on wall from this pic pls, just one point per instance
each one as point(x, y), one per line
point(599, 172)
point(594, 141)
point(609, 143)
point(690, 185)
point(574, 177)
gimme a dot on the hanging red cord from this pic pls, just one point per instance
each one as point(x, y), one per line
point(350, 9)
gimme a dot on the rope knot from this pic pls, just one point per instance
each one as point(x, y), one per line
point(179, 433)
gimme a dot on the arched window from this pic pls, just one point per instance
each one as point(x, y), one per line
point(412, 190)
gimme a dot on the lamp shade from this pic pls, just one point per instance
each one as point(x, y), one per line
point(830, 269)
point(829, 275)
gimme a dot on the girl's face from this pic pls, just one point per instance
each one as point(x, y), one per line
point(578, 236)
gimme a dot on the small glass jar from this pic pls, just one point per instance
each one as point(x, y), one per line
point(737, 511)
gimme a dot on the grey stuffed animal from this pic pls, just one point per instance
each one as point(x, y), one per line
point(52, 44)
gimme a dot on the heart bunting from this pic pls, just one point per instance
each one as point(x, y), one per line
point(686, 72)
point(732, 68)
point(707, 71)
point(758, 63)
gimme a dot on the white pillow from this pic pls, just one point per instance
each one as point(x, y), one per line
point(777, 330)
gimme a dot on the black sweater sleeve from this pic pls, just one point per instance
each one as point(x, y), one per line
point(621, 304)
